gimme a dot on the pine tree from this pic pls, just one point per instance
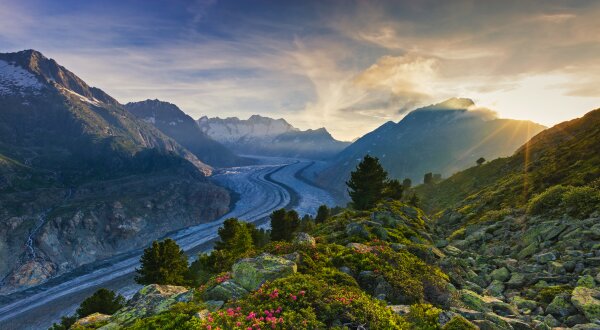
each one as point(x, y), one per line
point(278, 225)
point(284, 224)
point(407, 183)
point(366, 183)
point(292, 222)
point(102, 301)
point(393, 189)
point(480, 161)
point(322, 214)
point(163, 263)
point(235, 237)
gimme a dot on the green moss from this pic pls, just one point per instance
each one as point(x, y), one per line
point(459, 323)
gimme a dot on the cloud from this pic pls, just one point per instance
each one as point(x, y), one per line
point(349, 66)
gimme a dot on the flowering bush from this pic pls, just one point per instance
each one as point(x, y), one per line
point(304, 302)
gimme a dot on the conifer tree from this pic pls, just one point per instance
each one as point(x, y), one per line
point(393, 189)
point(322, 214)
point(102, 301)
point(235, 237)
point(366, 183)
point(278, 225)
point(163, 263)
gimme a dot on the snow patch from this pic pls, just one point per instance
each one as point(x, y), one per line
point(14, 79)
point(151, 120)
point(92, 101)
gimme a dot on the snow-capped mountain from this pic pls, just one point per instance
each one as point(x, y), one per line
point(265, 136)
point(173, 122)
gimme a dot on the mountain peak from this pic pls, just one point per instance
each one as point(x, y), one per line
point(50, 72)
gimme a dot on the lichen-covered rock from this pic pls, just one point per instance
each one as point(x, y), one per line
point(587, 302)
point(586, 281)
point(150, 300)
point(543, 258)
point(517, 280)
point(304, 239)
point(524, 304)
point(459, 323)
point(94, 319)
point(474, 301)
point(496, 288)
point(225, 291)
point(561, 307)
point(251, 273)
point(501, 274)
point(357, 229)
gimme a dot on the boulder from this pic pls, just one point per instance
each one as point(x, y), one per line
point(94, 319)
point(357, 229)
point(561, 307)
point(225, 291)
point(251, 273)
point(543, 258)
point(150, 300)
point(305, 239)
point(587, 301)
point(496, 288)
point(517, 280)
point(501, 274)
point(586, 281)
point(524, 304)
point(551, 321)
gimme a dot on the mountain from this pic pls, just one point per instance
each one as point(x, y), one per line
point(81, 178)
point(441, 138)
point(270, 137)
point(173, 122)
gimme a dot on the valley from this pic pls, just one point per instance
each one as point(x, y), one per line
point(261, 190)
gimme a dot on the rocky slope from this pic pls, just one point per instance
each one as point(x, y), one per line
point(441, 138)
point(81, 178)
point(524, 230)
point(173, 122)
point(271, 137)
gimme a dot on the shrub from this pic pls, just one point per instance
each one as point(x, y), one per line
point(179, 316)
point(102, 301)
point(305, 302)
point(65, 323)
point(549, 199)
point(424, 317)
point(581, 201)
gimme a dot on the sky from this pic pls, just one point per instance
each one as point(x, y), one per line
point(349, 66)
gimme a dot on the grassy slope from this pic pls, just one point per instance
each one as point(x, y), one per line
point(564, 154)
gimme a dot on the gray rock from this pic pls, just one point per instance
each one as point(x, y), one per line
point(304, 239)
point(543, 258)
point(225, 291)
point(561, 307)
point(357, 229)
point(501, 274)
point(251, 273)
